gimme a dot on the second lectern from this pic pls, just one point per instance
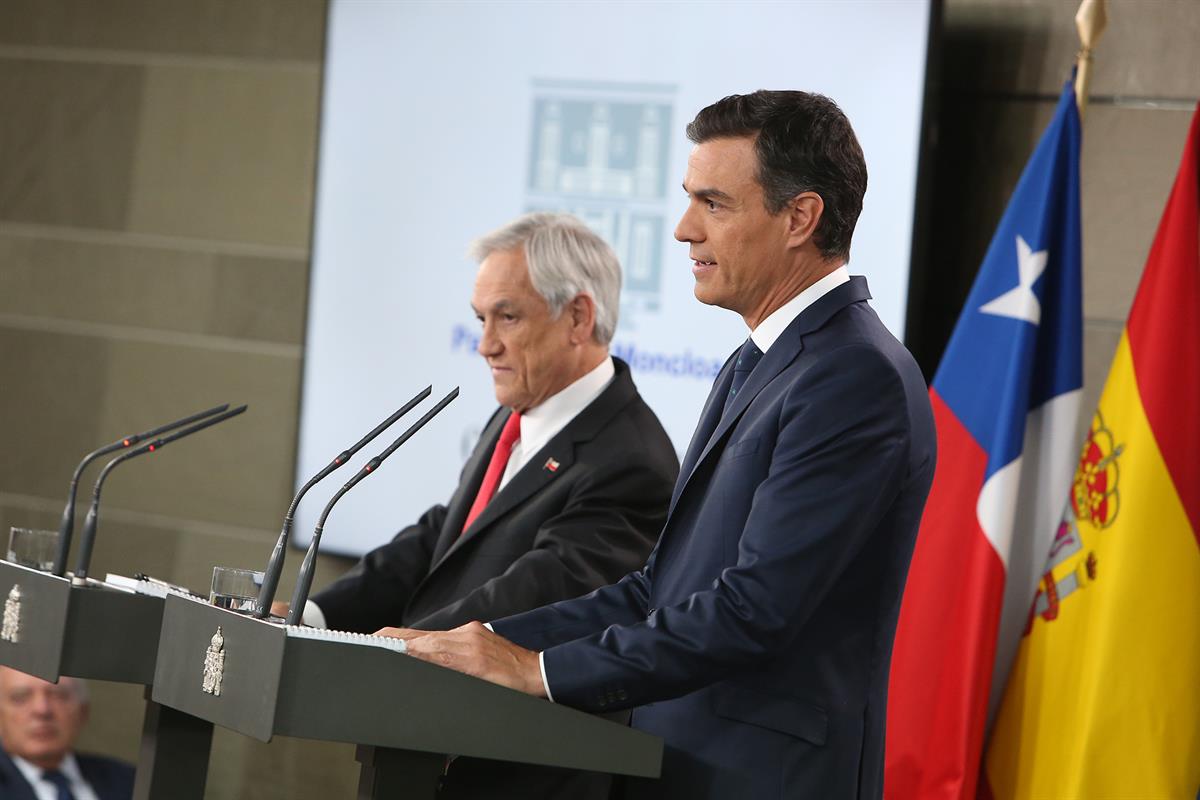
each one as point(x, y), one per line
point(263, 679)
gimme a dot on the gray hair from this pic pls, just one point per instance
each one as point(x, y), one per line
point(566, 259)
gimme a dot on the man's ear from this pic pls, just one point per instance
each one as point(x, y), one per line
point(803, 215)
point(582, 313)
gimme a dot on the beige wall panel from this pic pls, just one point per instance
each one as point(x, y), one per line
point(21, 516)
point(283, 769)
point(155, 288)
point(126, 546)
point(115, 726)
point(78, 392)
point(1028, 46)
point(238, 474)
point(266, 29)
point(226, 154)
point(1130, 157)
point(23, 512)
point(1099, 346)
point(46, 415)
point(198, 553)
point(67, 135)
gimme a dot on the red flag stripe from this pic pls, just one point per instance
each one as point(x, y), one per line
point(1164, 331)
point(946, 636)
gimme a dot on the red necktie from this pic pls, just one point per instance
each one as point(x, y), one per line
point(495, 470)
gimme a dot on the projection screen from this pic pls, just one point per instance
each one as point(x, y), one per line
point(443, 120)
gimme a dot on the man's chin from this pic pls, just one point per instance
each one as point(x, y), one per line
point(705, 294)
point(46, 757)
point(507, 399)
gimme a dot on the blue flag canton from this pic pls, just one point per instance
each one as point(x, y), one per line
point(1018, 341)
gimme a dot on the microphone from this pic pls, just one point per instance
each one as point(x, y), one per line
point(304, 578)
point(266, 593)
point(66, 527)
point(88, 537)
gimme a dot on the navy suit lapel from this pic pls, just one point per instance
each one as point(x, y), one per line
point(709, 417)
point(782, 353)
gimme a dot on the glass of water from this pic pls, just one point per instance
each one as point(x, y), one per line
point(31, 547)
point(235, 589)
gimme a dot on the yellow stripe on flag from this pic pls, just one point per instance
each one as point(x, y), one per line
point(1104, 698)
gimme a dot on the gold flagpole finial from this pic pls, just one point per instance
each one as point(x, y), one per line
point(1090, 21)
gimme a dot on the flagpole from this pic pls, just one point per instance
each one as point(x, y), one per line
point(1090, 21)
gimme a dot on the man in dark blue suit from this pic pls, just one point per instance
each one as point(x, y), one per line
point(39, 723)
point(757, 638)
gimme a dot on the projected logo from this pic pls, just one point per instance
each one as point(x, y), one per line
point(599, 151)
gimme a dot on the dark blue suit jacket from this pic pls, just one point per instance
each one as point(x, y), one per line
point(756, 640)
point(109, 778)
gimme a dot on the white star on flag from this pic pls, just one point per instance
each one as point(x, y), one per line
point(1021, 303)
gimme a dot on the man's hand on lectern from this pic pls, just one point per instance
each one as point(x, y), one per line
point(407, 634)
point(475, 650)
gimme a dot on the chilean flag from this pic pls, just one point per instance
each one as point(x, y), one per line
point(1006, 402)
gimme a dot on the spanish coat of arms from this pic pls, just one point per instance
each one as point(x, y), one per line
point(214, 665)
point(10, 630)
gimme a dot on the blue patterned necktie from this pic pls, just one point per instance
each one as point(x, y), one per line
point(747, 358)
point(60, 782)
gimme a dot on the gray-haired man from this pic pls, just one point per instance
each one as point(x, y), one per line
point(39, 724)
point(569, 484)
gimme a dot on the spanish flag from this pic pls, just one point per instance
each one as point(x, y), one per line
point(1103, 700)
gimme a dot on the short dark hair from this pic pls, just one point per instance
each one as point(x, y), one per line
point(804, 144)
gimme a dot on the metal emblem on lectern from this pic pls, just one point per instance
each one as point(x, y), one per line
point(214, 665)
point(10, 630)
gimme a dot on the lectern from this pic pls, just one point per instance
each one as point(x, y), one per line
point(51, 628)
point(261, 679)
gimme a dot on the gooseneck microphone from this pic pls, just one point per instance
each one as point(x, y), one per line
point(266, 594)
point(66, 527)
point(304, 578)
point(88, 537)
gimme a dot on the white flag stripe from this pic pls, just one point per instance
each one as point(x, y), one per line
point(1041, 477)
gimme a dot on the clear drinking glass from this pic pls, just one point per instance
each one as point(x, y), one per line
point(235, 589)
point(31, 547)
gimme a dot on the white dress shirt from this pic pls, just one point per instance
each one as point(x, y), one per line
point(769, 330)
point(538, 426)
point(48, 791)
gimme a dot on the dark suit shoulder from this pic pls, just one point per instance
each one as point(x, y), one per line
point(13, 785)
point(626, 423)
point(854, 334)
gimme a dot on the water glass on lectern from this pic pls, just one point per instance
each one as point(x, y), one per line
point(31, 547)
point(235, 589)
